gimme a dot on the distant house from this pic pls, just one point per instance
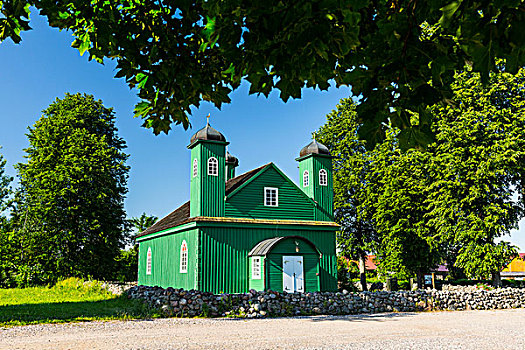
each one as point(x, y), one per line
point(515, 269)
point(258, 230)
point(370, 263)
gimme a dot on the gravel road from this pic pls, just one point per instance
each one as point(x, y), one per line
point(496, 329)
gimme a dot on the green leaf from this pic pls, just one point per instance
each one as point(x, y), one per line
point(84, 43)
point(209, 28)
point(141, 79)
point(448, 13)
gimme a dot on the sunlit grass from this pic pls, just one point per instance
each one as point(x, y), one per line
point(70, 300)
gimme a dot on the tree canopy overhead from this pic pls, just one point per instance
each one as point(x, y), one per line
point(399, 56)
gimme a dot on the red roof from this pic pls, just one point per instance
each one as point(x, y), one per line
point(370, 263)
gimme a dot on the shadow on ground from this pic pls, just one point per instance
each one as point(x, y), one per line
point(361, 317)
point(116, 308)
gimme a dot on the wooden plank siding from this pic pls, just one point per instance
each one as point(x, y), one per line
point(323, 195)
point(165, 262)
point(224, 263)
point(207, 191)
point(248, 202)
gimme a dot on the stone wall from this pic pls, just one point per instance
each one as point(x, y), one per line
point(117, 288)
point(468, 298)
point(182, 303)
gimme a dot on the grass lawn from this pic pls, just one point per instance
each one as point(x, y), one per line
point(70, 300)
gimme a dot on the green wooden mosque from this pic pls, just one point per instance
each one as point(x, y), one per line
point(258, 230)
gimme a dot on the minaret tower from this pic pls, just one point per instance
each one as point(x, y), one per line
point(231, 163)
point(315, 178)
point(208, 172)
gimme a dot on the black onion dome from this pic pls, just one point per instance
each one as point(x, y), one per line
point(231, 159)
point(314, 147)
point(207, 133)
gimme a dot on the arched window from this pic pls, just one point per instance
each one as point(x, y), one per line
point(195, 167)
point(183, 257)
point(306, 178)
point(323, 178)
point(213, 166)
point(148, 262)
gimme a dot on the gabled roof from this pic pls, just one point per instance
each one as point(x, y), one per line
point(182, 213)
point(171, 220)
point(261, 170)
point(238, 181)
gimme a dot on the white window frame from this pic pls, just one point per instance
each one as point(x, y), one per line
point(323, 177)
point(184, 257)
point(256, 268)
point(149, 258)
point(213, 166)
point(266, 204)
point(195, 167)
point(306, 178)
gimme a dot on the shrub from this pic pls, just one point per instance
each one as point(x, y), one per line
point(127, 265)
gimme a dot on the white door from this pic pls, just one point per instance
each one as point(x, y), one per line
point(288, 267)
point(293, 274)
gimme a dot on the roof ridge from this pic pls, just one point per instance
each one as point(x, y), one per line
point(182, 213)
point(249, 171)
point(237, 181)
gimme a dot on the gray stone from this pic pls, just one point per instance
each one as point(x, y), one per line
point(260, 304)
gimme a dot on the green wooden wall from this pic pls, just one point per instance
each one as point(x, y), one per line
point(310, 264)
point(207, 192)
point(165, 267)
point(248, 202)
point(230, 171)
point(224, 263)
point(323, 195)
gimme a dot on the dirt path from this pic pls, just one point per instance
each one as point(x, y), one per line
point(501, 329)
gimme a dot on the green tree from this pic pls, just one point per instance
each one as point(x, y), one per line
point(351, 165)
point(394, 198)
point(143, 221)
point(7, 248)
point(378, 198)
point(5, 182)
point(451, 201)
point(128, 259)
point(70, 209)
point(400, 56)
point(480, 157)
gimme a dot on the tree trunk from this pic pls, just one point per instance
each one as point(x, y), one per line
point(362, 273)
point(420, 281)
point(496, 279)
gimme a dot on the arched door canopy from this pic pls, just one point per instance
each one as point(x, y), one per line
point(264, 247)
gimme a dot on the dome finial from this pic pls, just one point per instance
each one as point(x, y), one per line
point(314, 147)
point(207, 133)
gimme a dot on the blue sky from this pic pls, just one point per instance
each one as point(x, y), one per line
point(259, 129)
